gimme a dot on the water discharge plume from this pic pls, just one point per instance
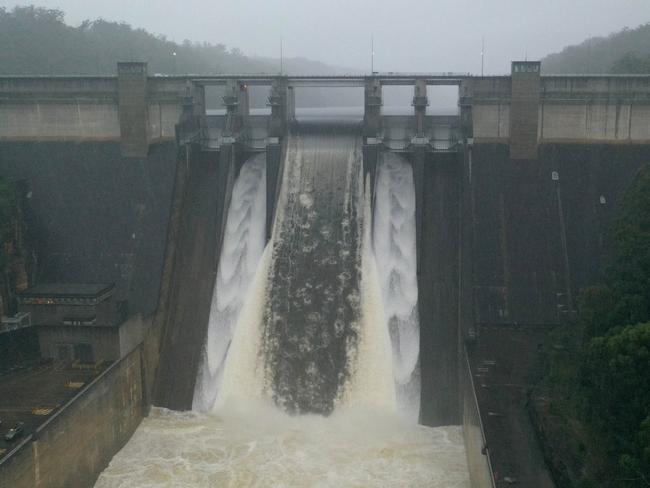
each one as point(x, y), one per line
point(394, 243)
point(242, 247)
point(244, 378)
point(312, 316)
point(371, 379)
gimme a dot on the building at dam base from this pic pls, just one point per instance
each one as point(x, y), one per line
point(513, 198)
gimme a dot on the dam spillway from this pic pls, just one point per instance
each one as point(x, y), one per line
point(313, 312)
point(302, 392)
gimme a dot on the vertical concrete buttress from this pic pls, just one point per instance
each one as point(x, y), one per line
point(436, 178)
point(133, 108)
point(524, 109)
point(420, 103)
point(198, 233)
point(372, 108)
point(237, 109)
point(274, 172)
point(282, 107)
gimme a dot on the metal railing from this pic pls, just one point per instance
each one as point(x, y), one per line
point(480, 464)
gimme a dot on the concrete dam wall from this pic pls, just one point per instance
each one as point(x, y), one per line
point(511, 218)
point(95, 215)
point(540, 226)
point(204, 183)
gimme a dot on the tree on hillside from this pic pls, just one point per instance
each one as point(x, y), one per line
point(631, 63)
point(615, 361)
point(601, 54)
point(36, 40)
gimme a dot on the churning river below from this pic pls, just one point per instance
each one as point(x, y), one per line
point(263, 447)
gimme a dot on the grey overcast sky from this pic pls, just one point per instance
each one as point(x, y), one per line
point(409, 35)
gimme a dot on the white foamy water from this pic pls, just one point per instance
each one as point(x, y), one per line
point(258, 446)
point(242, 247)
point(394, 242)
point(370, 384)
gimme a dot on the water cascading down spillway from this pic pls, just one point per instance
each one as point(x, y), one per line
point(315, 340)
point(394, 244)
point(312, 347)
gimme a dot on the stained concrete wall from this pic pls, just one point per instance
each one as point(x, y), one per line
point(572, 109)
point(437, 178)
point(524, 110)
point(163, 117)
point(537, 241)
point(105, 341)
point(78, 442)
point(85, 109)
point(207, 186)
point(108, 343)
point(476, 448)
point(491, 121)
point(59, 108)
point(96, 216)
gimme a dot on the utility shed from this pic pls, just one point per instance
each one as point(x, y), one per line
point(79, 322)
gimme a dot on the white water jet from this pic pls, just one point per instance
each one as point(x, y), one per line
point(244, 378)
point(394, 242)
point(371, 383)
point(242, 248)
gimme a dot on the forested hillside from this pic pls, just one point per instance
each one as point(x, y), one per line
point(36, 40)
point(594, 403)
point(624, 52)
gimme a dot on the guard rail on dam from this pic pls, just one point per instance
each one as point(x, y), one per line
point(523, 110)
point(513, 195)
point(78, 441)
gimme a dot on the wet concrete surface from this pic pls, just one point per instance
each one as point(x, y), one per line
point(505, 366)
point(33, 394)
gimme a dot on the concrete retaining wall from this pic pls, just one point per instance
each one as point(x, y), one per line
point(478, 454)
point(78, 442)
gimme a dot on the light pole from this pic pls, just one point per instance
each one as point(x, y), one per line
point(174, 58)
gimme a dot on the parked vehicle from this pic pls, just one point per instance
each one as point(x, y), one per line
point(15, 432)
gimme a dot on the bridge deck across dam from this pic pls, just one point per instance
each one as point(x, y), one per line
point(345, 81)
point(523, 110)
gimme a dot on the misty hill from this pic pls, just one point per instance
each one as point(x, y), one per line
point(624, 52)
point(37, 41)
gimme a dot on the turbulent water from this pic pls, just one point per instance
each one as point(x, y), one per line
point(243, 244)
point(394, 243)
point(313, 310)
point(260, 447)
point(312, 342)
